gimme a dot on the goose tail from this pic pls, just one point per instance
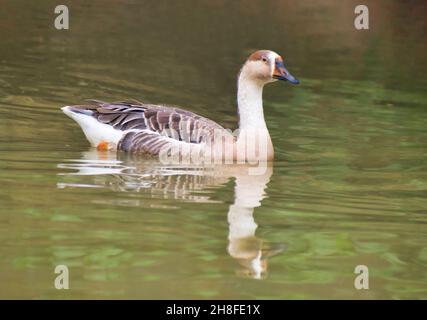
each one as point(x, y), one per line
point(100, 135)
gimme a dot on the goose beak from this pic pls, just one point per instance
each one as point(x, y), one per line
point(280, 72)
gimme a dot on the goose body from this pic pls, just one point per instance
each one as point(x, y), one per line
point(137, 127)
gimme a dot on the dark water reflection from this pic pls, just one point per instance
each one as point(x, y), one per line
point(348, 187)
point(132, 173)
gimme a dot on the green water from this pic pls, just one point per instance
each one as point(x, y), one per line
point(348, 186)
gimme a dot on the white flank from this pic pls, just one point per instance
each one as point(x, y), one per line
point(95, 131)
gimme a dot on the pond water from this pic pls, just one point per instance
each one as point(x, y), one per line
point(348, 186)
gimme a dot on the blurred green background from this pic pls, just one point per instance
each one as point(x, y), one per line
point(349, 183)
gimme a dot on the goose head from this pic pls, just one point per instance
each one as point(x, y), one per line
point(265, 66)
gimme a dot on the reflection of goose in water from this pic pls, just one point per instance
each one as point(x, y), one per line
point(251, 252)
point(127, 172)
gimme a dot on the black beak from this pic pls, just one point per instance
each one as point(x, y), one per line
point(280, 73)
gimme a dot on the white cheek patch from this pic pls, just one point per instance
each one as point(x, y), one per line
point(272, 57)
point(258, 69)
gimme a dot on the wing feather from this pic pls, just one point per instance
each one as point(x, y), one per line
point(150, 127)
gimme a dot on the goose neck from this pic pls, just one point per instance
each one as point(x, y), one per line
point(250, 107)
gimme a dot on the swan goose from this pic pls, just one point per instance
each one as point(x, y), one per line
point(138, 127)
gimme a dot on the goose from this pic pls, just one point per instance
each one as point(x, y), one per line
point(137, 127)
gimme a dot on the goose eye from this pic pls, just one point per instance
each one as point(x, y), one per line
point(264, 59)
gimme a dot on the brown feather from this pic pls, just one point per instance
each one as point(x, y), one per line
point(159, 124)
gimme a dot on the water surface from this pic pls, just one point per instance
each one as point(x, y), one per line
point(348, 186)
